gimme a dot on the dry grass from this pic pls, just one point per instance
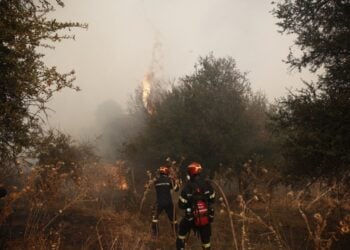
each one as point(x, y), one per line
point(96, 208)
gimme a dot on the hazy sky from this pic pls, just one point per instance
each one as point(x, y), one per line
point(112, 56)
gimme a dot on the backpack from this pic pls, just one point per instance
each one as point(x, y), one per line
point(199, 207)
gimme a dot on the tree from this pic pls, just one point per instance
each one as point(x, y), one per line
point(27, 84)
point(56, 147)
point(211, 116)
point(315, 121)
point(322, 29)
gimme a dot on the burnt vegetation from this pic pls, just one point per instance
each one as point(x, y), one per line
point(280, 169)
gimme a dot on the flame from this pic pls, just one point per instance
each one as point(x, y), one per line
point(111, 176)
point(155, 68)
point(146, 91)
point(123, 185)
point(119, 178)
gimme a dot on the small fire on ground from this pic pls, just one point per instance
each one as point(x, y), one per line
point(113, 176)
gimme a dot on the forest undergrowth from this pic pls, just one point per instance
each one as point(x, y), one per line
point(99, 206)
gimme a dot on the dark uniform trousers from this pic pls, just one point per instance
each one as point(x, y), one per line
point(169, 210)
point(186, 226)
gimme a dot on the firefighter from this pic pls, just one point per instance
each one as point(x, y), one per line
point(163, 185)
point(197, 198)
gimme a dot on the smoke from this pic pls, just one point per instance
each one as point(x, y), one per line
point(116, 127)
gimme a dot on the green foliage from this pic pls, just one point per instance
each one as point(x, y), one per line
point(60, 158)
point(27, 84)
point(56, 147)
point(314, 123)
point(323, 29)
point(211, 116)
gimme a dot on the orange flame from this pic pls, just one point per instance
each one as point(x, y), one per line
point(123, 185)
point(146, 91)
point(112, 176)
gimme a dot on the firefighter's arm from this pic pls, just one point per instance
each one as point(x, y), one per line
point(183, 200)
point(175, 185)
point(211, 194)
point(211, 200)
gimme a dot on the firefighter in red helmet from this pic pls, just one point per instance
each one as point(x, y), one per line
point(196, 199)
point(163, 185)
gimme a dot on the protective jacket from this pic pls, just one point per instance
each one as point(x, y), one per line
point(164, 184)
point(185, 199)
point(186, 202)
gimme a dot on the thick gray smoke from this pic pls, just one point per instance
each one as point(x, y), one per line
point(114, 125)
point(114, 128)
point(128, 39)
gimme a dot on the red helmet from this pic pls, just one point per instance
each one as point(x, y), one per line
point(194, 168)
point(164, 170)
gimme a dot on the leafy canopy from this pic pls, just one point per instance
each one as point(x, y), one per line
point(27, 84)
point(314, 123)
point(211, 116)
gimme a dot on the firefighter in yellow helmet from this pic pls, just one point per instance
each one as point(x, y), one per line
point(196, 199)
point(163, 185)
